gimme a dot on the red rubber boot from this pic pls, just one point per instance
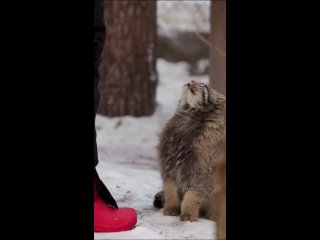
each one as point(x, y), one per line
point(109, 219)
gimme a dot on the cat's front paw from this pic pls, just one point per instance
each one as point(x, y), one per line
point(188, 217)
point(170, 211)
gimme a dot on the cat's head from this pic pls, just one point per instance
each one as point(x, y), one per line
point(200, 97)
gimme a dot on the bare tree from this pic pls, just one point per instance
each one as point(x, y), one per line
point(129, 76)
point(218, 45)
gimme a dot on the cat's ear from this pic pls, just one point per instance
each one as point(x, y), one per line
point(216, 97)
point(183, 104)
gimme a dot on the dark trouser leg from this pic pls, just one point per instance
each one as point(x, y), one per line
point(101, 188)
point(99, 38)
point(96, 102)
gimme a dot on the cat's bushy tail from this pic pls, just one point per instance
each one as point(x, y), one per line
point(158, 201)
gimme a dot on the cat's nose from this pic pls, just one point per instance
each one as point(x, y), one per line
point(193, 83)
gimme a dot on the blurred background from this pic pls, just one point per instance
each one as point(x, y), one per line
point(152, 49)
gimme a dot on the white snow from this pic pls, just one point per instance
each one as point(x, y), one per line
point(173, 16)
point(129, 167)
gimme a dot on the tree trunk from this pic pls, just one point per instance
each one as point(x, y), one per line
point(220, 194)
point(129, 77)
point(218, 46)
point(218, 81)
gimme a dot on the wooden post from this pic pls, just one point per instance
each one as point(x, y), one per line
point(218, 46)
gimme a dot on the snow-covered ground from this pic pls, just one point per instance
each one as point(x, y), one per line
point(129, 167)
